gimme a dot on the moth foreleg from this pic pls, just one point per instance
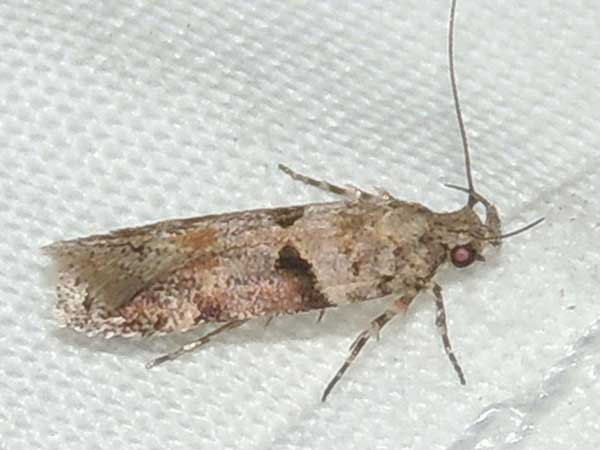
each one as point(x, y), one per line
point(191, 346)
point(351, 193)
point(440, 322)
point(399, 306)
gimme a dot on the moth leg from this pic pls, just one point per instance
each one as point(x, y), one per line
point(399, 306)
point(191, 346)
point(440, 322)
point(269, 320)
point(351, 193)
point(321, 314)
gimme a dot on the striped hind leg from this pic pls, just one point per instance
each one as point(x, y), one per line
point(350, 193)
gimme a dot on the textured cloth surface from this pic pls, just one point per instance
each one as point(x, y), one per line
point(121, 113)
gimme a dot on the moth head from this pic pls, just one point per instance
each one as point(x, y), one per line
point(466, 233)
point(471, 231)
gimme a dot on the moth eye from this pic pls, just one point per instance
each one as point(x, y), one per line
point(462, 256)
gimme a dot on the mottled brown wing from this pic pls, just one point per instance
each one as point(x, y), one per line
point(174, 274)
point(114, 267)
point(236, 285)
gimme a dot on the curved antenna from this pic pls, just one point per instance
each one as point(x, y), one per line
point(461, 125)
point(515, 232)
point(471, 192)
point(479, 198)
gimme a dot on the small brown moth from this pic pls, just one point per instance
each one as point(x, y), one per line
point(228, 268)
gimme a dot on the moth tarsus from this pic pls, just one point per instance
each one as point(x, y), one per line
point(226, 269)
point(194, 345)
point(440, 322)
point(399, 306)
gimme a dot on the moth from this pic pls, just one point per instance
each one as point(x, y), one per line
point(226, 269)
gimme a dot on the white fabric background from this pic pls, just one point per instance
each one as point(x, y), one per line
point(120, 113)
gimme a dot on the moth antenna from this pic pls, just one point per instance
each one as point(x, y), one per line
point(479, 198)
point(459, 118)
point(517, 231)
point(472, 193)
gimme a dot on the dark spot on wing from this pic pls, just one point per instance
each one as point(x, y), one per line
point(286, 217)
point(87, 303)
point(355, 268)
point(383, 285)
point(135, 248)
point(160, 323)
point(210, 312)
point(290, 260)
point(300, 270)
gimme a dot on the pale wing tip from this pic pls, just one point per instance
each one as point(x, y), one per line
point(53, 249)
point(60, 260)
point(63, 253)
point(48, 250)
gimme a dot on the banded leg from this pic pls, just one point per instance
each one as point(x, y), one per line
point(399, 306)
point(440, 323)
point(191, 346)
point(351, 193)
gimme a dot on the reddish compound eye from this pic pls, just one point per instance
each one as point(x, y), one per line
point(462, 256)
